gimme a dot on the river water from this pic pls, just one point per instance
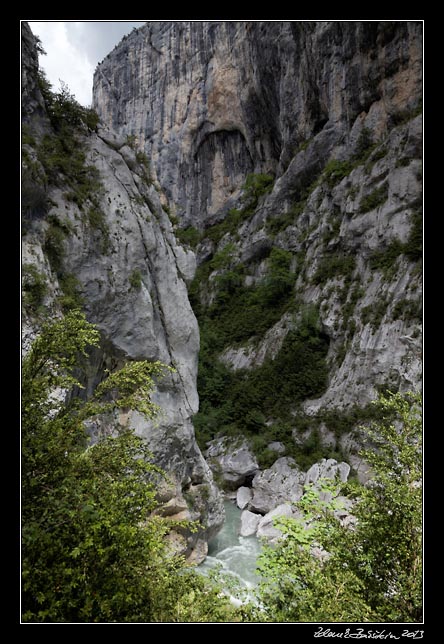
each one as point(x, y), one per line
point(235, 554)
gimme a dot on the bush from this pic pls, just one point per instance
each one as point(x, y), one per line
point(336, 170)
point(34, 286)
point(54, 246)
point(413, 247)
point(333, 265)
point(385, 259)
point(135, 279)
point(97, 221)
point(241, 401)
point(189, 236)
point(239, 312)
point(374, 571)
point(376, 198)
point(71, 298)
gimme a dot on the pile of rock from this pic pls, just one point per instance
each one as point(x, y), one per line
point(263, 495)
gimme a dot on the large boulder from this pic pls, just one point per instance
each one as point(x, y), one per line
point(282, 482)
point(243, 497)
point(266, 529)
point(327, 468)
point(249, 523)
point(231, 461)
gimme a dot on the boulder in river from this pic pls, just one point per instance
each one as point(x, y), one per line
point(243, 497)
point(282, 482)
point(231, 461)
point(249, 523)
point(266, 529)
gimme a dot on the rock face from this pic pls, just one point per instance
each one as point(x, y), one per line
point(131, 275)
point(210, 102)
point(232, 462)
point(332, 110)
point(282, 482)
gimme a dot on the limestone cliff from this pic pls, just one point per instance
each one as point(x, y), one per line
point(95, 233)
point(330, 112)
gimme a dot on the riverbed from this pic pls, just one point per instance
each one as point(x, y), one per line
point(236, 555)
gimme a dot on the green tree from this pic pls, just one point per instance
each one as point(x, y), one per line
point(372, 571)
point(92, 549)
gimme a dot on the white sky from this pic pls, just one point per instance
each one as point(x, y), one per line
point(74, 48)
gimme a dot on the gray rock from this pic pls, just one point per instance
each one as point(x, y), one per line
point(266, 529)
point(276, 446)
point(249, 523)
point(232, 461)
point(282, 482)
point(243, 496)
point(329, 469)
point(153, 321)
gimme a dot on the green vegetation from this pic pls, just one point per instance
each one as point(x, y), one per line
point(374, 571)
point(97, 221)
point(239, 312)
point(413, 247)
point(255, 187)
point(189, 236)
point(336, 170)
point(406, 309)
point(71, 298)
point(54, 244)
point(385, 259)
point(374, 313)
point(404, 116)
point(240, 402)
point(92, 549)
point(374, 199)
point(64, 112)
point(135, 279)
point(34, 286)
point(62, 156)
point(335, 264)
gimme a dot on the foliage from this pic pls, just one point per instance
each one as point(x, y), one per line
point(334, 264)
point(34, 286)
point(62, 152)
point(71, 298)
point(371, 572)
point(135, 279)
point(336, 170)
point(374, 313)
point(255, 187)
point(239, 312)
point(240, 402)
point(406, 309)
point(189, 236)
point(62, 108)
point(92, 549)
point(54, 245)
point(413, 246)
point(97, 221)
point(386, 258)
point(404, 116)
point(374, 199)
point(364, 145)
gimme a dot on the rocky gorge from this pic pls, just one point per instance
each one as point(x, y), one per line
point(256, 223)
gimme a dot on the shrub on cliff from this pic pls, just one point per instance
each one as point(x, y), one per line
point(92, 549)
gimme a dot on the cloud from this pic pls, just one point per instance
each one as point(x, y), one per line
point(74, 48)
